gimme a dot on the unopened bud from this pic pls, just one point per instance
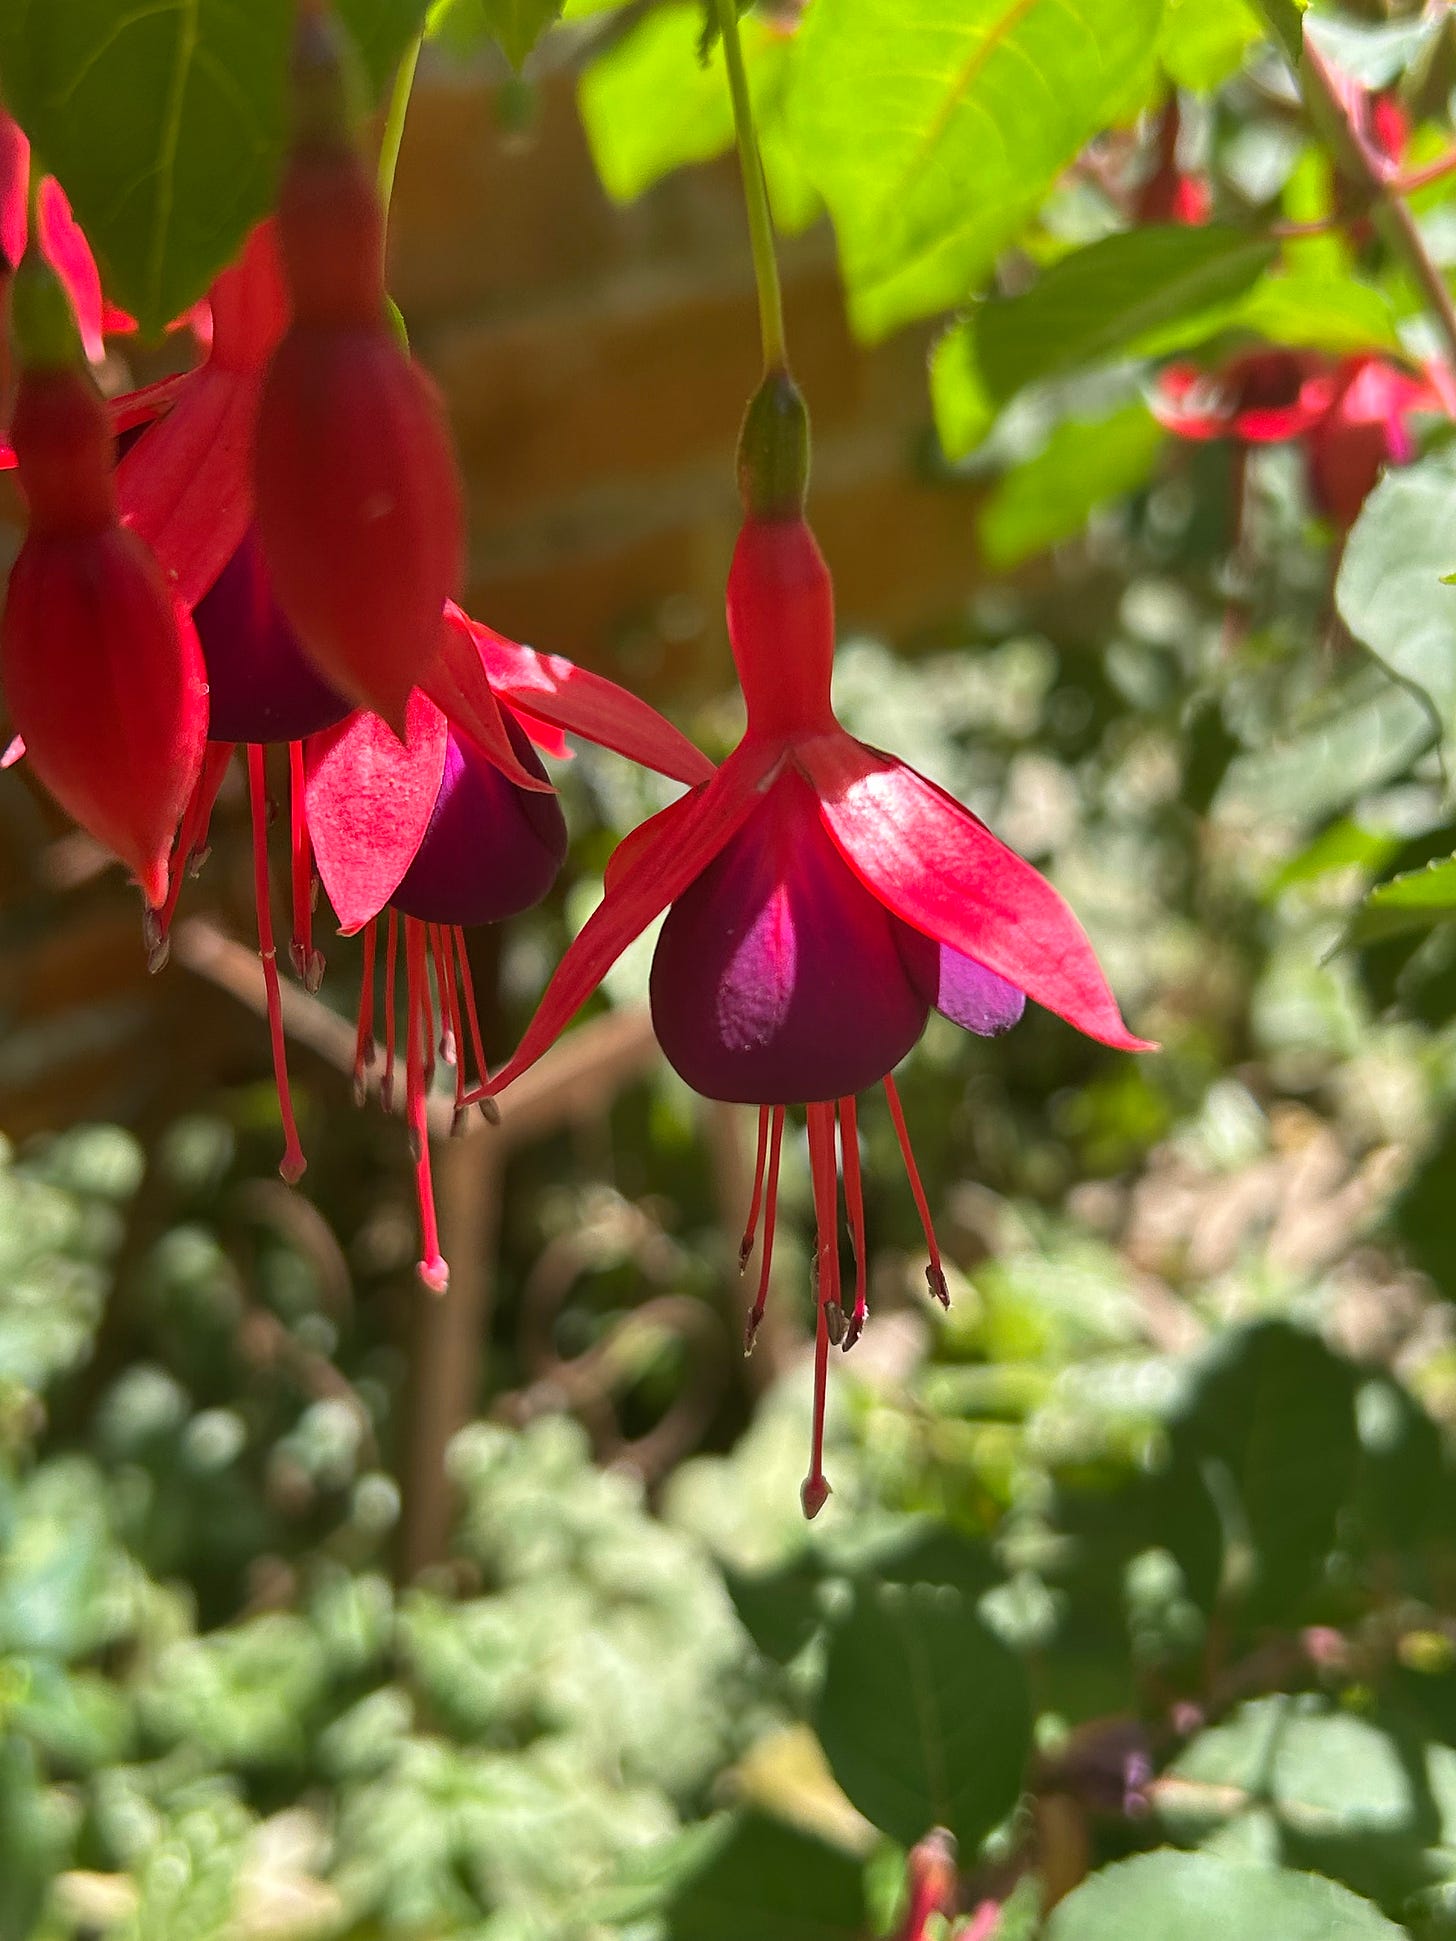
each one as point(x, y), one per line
point(773, 450)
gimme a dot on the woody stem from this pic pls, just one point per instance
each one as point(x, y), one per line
point(755, 194)
point(1332, 123)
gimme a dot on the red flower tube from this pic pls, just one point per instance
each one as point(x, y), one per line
point(822, 897)
point(357, 490)
point(101, 667)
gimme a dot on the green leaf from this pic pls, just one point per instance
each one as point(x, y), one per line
point(514, 25)
point(1203, 41)
point(1083, 465)
point(934, 133)
point(1200, 1898)
point(1411, 902)
point(924, 1715)
point(651, 104)
point(769, 1881)
point(1320, 312)
point(165, 124)
point(1272, 1423)
point(1142, 292)
point(1390, 591)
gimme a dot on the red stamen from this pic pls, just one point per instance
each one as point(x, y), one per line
point(308, 963)
point(191, 836)
point(391, 953)
point(427, 1009)
point(750, 1225)
point(292, 1164)
point(854, 1201)
point(432, 1269)
point(830, 1322)
point(445, 963)
point(770, 1215)
point(364, 1035)
point(488, 1107)
point(934, 1273)
point(443, 958)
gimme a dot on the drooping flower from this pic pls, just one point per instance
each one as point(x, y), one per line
point(1260, 397)
point(455, 826)
point(1171, 193)
point(100, 664)
point(1349, 414)
point(821, 898)
point(357, 490)
point(1365, 429)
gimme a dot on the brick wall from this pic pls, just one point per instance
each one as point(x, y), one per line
point(596, 361)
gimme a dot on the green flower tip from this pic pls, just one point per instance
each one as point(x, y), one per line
point(330, 95)
point(42, 322)
point(773, 450)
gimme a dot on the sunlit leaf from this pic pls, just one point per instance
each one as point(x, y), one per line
point(1200, 1898)
point(1083, 465)
point(1391, 590)
point(935, 133)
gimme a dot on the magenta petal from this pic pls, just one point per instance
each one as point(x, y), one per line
point(492, 849)
point(263, 688)
point(776, 979)
point(959, 988)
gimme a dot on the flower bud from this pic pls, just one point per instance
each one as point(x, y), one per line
point(102, 673)
point(773, 450)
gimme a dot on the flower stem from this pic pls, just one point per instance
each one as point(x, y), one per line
point(399, 100)
point(1331, 121)
point(755, 194)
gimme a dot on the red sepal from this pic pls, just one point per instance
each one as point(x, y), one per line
point(585, 704)
point(939, 869)
point(370, 798)
point(458, 684)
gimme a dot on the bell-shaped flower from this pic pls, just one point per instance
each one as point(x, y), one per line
point(101, 669)
point(821, 898)
point(456, 825)
point(358, 493)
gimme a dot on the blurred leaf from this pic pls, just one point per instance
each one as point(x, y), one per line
point(1320, 312)
point(1203, 41)
point(924, 1715)
point(766, 1880)
point(1274, 1411)
point(1412, 902)
point(976, 112)
point(1374, 53)
point(650, 104)
point(514, 25)
point(1143, 292)
point(1390, 592)
point(166, 125)
point(1082, 466)
point(964, 409)
point(1200, 1898)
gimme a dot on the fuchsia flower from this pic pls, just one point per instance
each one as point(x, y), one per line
point(1350, 414)
point(454, 827)
point(822, 898)
point(1364, 429)
point(358, 493)
point(101, 667)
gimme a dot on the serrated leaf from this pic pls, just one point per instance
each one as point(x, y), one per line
point(515, 26)
point(1201, 1898)
point(1391, 592)
point(934, 133)
point(1083, 465)
point(165, 121)
point(1143, 292)
point(924, 1714)
point(1410, 902)
point(651, 104)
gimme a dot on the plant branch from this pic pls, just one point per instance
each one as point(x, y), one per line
point(1331, 120)
point(755, 194)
